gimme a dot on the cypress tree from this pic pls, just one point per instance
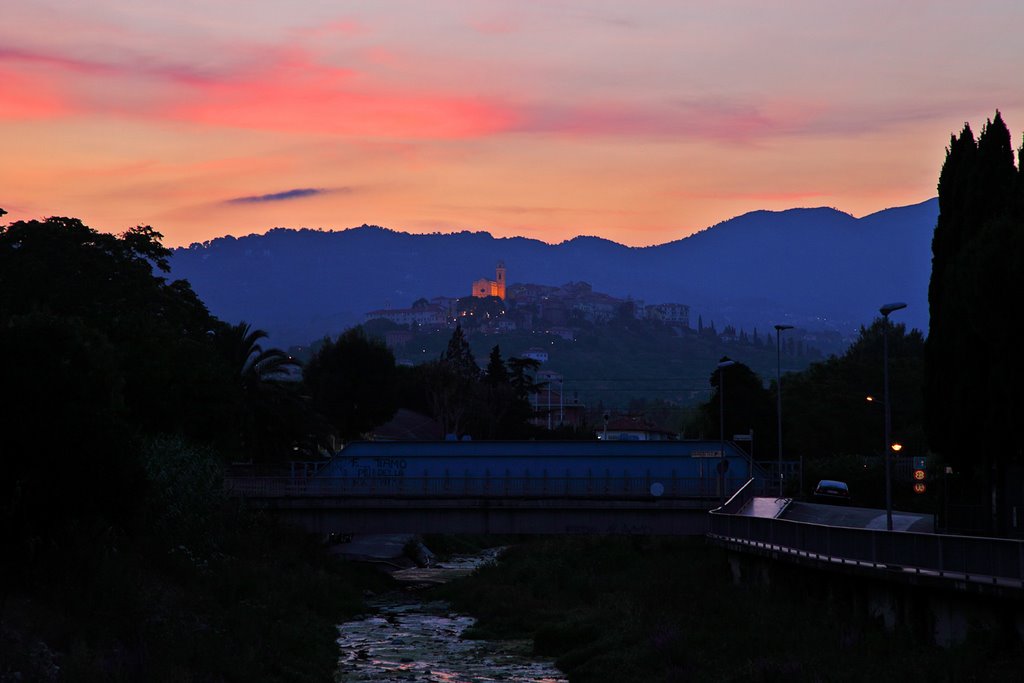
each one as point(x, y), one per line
point(496, 373)
point(459, 356)
point(971, 362)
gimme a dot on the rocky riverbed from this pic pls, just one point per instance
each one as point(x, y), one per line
point(412, 639)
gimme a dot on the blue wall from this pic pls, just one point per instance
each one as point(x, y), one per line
point(680, 459)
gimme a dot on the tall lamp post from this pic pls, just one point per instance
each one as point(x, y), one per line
point(778, 390)
point(721, 423)
point(885, 311)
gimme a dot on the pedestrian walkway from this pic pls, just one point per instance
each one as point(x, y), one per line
point(769, 507)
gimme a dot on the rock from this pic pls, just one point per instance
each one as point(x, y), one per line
point(419, 553)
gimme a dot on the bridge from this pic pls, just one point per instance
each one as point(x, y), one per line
point(655, 488)
point(942, 586)
point(663, 488)
point(981, 565)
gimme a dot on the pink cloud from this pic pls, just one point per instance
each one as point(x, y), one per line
point(115, 65)
point(62, 62)
point(283, 90)
point(299, 95)
point(286, 88)
point(29, 99)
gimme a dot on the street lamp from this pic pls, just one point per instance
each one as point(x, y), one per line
point(885, 311)
point(721, 422)
point(778, 390)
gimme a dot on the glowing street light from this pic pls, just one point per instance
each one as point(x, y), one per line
point(885, 311)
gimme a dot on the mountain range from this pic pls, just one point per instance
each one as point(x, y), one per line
point(816, 268)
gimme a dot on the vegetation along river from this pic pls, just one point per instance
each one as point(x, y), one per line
point(413, 639)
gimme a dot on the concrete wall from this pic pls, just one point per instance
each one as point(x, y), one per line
point(933, 614)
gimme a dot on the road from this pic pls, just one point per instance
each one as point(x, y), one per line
point(857, 518)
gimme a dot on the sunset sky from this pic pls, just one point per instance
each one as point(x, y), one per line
point(641, 122)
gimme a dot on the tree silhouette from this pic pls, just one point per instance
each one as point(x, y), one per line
point(159, 331)
point(65, 457)
point(972, 365)
point(826, 407)
point(352, 382)
point(748, 405)
point(496, 373)
point(273, 417)
point(452, 384)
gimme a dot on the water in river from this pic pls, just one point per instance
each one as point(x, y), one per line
point(412, 640)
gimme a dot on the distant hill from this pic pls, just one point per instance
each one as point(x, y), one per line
point(816, 268)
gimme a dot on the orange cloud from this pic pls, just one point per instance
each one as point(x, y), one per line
point(704, 120)
point(758, 196)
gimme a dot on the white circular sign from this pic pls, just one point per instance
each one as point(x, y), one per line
point(657, 489)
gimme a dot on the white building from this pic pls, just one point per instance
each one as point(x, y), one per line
point(678, 314)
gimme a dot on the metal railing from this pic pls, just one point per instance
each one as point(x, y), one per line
point(738, 500)
point(493, 486)
point(962, 558)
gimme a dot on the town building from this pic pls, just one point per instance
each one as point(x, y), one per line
point(677, 314)
point(551, 407)
point(535, 353)
point(632, 428)
point(429, 316)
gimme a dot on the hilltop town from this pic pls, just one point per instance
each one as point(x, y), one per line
point(495, 307)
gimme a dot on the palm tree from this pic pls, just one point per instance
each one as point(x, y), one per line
point(240, 346)
point(275, 419)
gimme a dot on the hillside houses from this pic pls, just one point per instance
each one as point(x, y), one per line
point(429, 316)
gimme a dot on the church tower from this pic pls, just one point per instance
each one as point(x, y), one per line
point(500, 280)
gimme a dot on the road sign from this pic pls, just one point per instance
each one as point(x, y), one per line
point(919, 475)
point(920, 487)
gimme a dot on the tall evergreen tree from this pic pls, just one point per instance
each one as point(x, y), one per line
point(453, 381)
point(971, 361)
point(496, 373)
point(459, 357)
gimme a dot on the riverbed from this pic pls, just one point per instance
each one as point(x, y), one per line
point(411, 639)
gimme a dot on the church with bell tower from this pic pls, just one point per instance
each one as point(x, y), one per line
point(483, 287)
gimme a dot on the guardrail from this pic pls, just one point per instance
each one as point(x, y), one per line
point(597, 486)
point(739, 499)
point(975, 559)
